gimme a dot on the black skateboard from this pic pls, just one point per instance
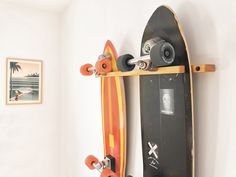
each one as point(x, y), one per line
point(166, 103)
point(166, 98)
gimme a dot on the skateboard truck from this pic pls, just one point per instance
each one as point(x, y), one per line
point(157, 52)
point(102, 66)
point(108, 162)
point(106, 167)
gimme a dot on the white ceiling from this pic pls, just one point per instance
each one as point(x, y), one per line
point(51, 5)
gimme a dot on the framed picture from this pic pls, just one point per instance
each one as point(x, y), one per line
point(24, 81)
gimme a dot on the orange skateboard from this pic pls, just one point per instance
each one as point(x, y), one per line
point(113, 115)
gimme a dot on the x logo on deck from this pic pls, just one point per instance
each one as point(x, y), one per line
point(153, 150)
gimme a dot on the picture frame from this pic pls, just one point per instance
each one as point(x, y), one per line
point(24, 79)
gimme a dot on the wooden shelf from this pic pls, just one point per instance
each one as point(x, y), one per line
point(203, 68)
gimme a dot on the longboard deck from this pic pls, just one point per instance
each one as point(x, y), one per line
point(114, 115)
point(166, 106)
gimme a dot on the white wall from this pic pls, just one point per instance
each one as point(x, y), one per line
point(81, 109)
point(210, 31)
point(29, 134)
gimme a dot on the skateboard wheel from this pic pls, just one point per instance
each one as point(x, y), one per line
point(108, 173)
point(90, 160)
point(104, 66)
point(84, 69)
point(122, 63)
point(162, 54)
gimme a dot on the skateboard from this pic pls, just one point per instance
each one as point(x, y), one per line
point(167, 117)
point(113, 115)
point(166, 96)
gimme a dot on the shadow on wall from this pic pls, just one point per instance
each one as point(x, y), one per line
point(127, 47)
point(133, 110)
point(201, 36)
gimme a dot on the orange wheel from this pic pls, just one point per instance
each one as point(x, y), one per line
point(103, 66)
point(90, 160)
point(84, 69)
point(108, 173)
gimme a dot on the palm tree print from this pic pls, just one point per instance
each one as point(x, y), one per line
point(14, 66)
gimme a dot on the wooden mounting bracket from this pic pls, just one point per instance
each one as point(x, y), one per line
point(203, 68)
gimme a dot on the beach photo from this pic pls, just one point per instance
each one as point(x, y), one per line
point(24, 81)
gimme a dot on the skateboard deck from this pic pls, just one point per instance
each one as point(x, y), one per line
point(167, 119)
point(113, 115)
